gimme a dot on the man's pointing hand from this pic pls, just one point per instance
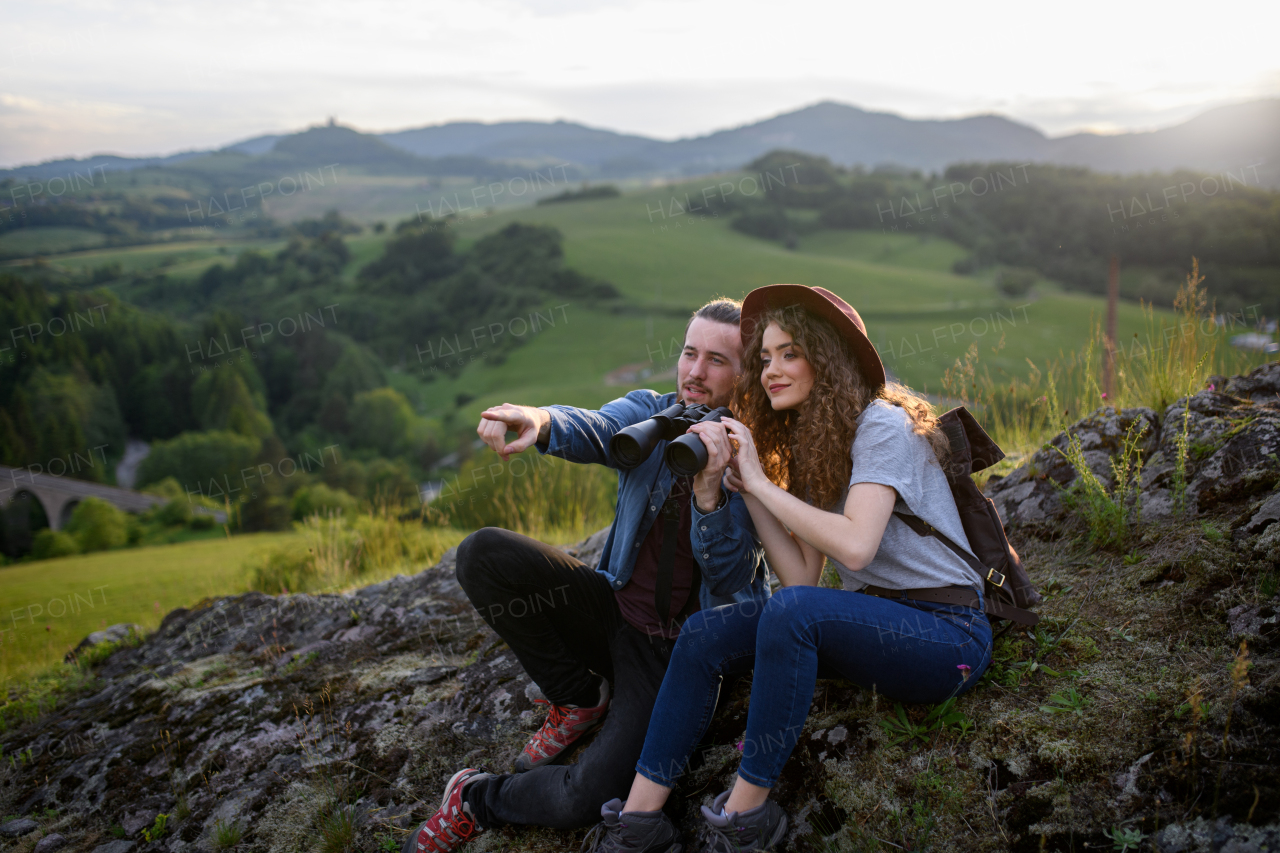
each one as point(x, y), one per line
point(529, 424)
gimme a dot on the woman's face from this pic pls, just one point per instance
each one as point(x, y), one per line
point(787, 376)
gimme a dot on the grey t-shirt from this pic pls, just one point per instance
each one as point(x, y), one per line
point(886, 451)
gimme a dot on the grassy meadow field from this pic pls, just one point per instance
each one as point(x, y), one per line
point(47, 241)
point(48, 606)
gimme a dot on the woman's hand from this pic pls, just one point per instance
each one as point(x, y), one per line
point(745, 472)
point(732, 481)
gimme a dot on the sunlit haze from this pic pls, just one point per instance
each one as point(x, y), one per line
point(147, 77)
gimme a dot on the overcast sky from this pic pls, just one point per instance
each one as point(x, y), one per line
point(135, 77)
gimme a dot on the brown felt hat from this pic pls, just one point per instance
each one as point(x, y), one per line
point(826, 305)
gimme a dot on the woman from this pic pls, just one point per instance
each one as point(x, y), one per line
point(827, 452)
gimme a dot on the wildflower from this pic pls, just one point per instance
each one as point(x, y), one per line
point(1104, 395)
point(740, 743)
point(964, 670)
point(1211, 387)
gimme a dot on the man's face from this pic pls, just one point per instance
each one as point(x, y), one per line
point(709, 364)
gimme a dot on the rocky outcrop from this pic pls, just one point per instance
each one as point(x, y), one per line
point(267, 711)
point(1232, 431)
point(111, 634)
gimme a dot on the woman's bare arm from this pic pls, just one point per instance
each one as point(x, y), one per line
point(794, 561)
point(851, 538)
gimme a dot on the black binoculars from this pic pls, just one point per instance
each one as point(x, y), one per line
point(686, 455)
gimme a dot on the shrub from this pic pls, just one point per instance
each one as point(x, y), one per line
point(262, 511)
point(197, 459)
point(53, 543)
point(203, 521)
point(386, 421)
point(336, 551)
point(1015, 281)
point(322, 500)
point(173, 513)
point(98, 525)
point(585, 194)
point(768, 222)
point(391, 483)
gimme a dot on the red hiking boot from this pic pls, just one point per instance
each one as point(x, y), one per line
point(564, 725)
point(453, 825)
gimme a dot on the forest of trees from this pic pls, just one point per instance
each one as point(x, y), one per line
point(300, 366)
point(1063, 222)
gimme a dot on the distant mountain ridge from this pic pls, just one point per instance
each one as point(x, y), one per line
point(1228, 137)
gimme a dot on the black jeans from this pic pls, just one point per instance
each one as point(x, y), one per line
point(561, 620)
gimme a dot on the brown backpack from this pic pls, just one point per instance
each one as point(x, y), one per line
point(1008, 591)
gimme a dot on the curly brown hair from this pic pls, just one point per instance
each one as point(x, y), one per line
point(806, 450)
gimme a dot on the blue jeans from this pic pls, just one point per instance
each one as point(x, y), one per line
point(907, 652)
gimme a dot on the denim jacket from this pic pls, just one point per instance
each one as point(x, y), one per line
point(724, 542)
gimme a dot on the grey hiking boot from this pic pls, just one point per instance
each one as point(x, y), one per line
point(633, 832)
point(761, 828)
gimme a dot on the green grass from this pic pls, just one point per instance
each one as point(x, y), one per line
point(27, 698)
point(180, 259)
point(26, 242)
point(540, 496)
point(365, 248)
point(136, 585)
point(342, 551)
point(391, 199)
point(226, 834)
point(921, 252)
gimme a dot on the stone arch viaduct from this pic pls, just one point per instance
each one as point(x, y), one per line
point(59, 495)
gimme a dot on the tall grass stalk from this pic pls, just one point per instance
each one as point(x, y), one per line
point(540, 496)
point(1173, 357)
point(337, 551)
point(1181, 449)
point(1109, 515)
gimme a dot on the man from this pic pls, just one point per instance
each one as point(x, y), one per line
point(676, 545)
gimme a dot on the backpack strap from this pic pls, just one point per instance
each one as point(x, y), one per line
point(991, 577)
point(962, 595)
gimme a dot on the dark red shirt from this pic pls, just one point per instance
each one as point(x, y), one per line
point(636, 598)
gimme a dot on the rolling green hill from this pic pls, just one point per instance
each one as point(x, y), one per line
point(664, 263)
point(919, 314)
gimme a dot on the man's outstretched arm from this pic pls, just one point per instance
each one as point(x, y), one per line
point(578, 435)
